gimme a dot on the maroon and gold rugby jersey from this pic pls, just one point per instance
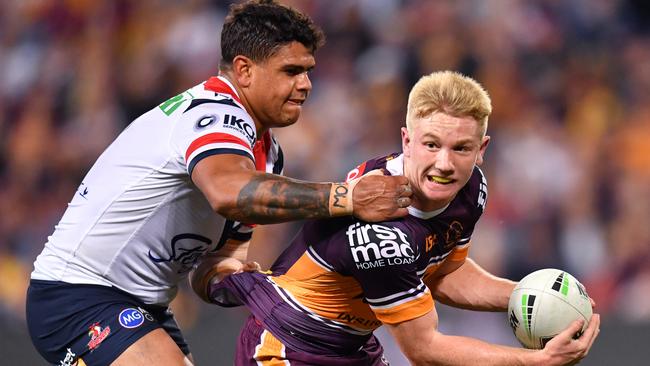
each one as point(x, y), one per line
point(341, 278)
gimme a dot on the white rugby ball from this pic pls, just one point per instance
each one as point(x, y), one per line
point(544, 303)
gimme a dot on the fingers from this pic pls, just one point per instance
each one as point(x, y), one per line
point(574, 328)
point(403, 202)
point(406, 191)
point(592, 330)
point(593, 303)
point(252, 267)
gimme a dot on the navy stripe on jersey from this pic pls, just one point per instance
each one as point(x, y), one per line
point(241, 236)
point(279, 164)
point(198, 102)
point(391, 299)
point(207, 153)
point(225, 234)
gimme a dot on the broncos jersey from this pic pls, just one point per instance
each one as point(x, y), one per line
point(136, 221)
point(340, 279)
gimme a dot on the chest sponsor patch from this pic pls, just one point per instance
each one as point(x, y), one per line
point(375, 245)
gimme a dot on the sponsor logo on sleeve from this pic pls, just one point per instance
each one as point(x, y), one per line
point(375, 245)
point(205, 121)
point(130, 318)
point(482, 193)
point(238, 124)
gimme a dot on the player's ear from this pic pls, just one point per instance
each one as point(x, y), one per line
point(406, 140)
point(484, 144)
point(242, 69)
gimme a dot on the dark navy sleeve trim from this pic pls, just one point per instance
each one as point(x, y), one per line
point(241, 236)
point(207, 153)
point(279, 164)
point(198, 102)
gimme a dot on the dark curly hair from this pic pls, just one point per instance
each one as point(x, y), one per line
point(256, 29)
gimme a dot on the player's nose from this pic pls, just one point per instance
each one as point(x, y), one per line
point(303, 83)
point(443, 161)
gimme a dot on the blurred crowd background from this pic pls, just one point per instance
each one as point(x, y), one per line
point(568, 166)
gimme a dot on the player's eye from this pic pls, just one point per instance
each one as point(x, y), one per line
point(293, 71)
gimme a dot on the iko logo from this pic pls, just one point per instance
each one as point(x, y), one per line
point(374, 245)
point(238, 124)
point(130, 318)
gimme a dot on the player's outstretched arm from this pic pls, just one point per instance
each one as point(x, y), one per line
point(467, 285)
point(431, 347)
point(238, 192)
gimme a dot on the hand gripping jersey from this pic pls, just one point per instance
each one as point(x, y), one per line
point(137, 222)
point(342, 278)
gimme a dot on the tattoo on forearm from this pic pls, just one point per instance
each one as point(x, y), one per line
point(267, 200)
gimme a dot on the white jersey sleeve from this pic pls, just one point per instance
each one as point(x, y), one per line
point(203, 130)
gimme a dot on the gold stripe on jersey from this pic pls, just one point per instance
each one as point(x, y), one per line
point(328, 294)
point(459, 253)
point(408, 310)
point(270, 351)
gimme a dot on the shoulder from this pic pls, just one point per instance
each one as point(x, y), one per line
point(475, 192)
point(382, 162)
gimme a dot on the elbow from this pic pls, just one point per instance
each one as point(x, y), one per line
point(425, 352)
point(419, 358)
point(223, 205)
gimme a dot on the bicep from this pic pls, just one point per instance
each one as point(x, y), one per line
point(221, 177)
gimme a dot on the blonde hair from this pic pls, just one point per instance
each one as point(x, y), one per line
point(451, 93)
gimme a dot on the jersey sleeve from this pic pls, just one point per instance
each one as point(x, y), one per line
point(461, 233)
point(382, 259)
point(211, 129)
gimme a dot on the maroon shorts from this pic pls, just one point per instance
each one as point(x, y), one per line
point(256, 344)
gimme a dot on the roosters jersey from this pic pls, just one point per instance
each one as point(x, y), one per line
point(136, 221)
point(342, 278)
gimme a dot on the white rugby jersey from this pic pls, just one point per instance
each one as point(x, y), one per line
point(137, 222)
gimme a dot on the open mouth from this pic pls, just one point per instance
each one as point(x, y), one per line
point(439, 180)
point(297, 101)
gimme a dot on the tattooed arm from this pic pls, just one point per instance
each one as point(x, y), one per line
point(236, 191)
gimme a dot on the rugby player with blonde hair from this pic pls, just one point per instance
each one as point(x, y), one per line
point(340, 279)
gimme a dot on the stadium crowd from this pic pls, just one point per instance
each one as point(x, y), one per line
point(568, 167)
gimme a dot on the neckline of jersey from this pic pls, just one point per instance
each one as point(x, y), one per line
point(396, 167)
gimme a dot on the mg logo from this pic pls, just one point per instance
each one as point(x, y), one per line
point(131, 318)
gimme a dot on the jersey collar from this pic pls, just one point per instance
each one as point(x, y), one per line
point(396, 167)
point(220, 84)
